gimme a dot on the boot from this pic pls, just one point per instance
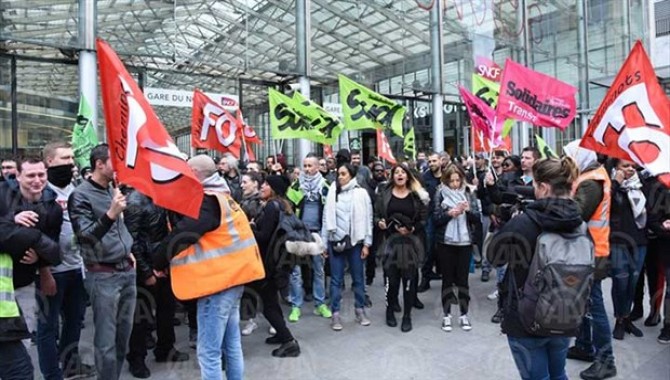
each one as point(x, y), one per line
point(139, 369)
point(406, 325)
point(290, 349)
point(630, 328)
point(424, 285)
point(390, 318)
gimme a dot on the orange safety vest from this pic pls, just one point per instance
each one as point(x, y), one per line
point(221, 259)
point(599, 224)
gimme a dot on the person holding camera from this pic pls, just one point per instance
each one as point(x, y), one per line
point(347, 227)
point(454, 213)
point(400, 212)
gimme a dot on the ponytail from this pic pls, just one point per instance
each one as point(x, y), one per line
point(560, 174)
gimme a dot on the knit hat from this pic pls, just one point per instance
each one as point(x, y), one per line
point(278, 183)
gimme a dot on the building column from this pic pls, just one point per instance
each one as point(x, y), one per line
point(437, 59)
point(302, 18)
point(88, 85)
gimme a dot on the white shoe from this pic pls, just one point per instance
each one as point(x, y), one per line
point(493, 296)
point(446, 323)
point(249, 327)
point(272, 331)
point(464, 321)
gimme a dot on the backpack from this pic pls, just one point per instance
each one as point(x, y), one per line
point(557, 291)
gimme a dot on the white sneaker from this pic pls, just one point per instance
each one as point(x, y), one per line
point(249, 327)
point(446, 323)
point(272, 331)
point(464, 321)
point(493, 296)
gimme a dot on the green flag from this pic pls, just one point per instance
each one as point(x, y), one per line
point(544, 149)
point(409, 147)
point(84, 136)
point(290, 119)
point(365, 109)
point(489, 91)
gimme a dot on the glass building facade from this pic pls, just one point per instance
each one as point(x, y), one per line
point(243, 47)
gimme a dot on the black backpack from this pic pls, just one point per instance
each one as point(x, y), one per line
point(557, 291)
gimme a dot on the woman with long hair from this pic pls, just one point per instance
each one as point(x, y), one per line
point(251, 205)
point(273, 194)
point(628, 243)
point(347, 227)
point(455, 213)
point(401, 212)
point(554, 210)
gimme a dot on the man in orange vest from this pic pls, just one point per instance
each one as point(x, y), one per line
point(592, 193)
point(210, 258)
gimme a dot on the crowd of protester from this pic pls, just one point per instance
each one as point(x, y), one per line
point(423, 221)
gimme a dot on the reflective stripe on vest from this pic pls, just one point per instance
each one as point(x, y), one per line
point(8, 306)
point(599, 224)
point(225, 257)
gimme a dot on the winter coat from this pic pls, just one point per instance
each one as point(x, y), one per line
point(623, 229)
point(148, 225)
point(514, 244)
point(50, 215)
point(235, 187)
point(251, 206)
point(658, 211)
point(442, 219)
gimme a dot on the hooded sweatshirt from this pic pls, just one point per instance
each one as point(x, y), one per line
point(515, 245)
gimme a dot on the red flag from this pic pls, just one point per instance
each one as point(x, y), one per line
point(488, 69)
point(251, 156)
point(483, 145)
point(383, 147)
point(328, 151)
point(212, 127)
point(249, 133)
point(142, 152)
point(539, 99)
point(482, 116)
point(633, 121)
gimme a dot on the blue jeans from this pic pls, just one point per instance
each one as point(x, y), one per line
point(296, 292)
point(626, 268)
point(219, 331)
point(112, 297)
point(595, 335)
point(429, 260)
point(540, 358)
point(68, 302)
point(338, 261)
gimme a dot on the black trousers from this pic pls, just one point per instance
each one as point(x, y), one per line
point(149, 298)
point(455, 267)
point(249, 303)
point(394, 277)
point(15, 362)
point(654, 271)
point(271, 310)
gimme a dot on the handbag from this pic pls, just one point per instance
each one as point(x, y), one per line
point(342, 245)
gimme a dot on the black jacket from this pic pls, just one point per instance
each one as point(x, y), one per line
point(15, 241)
point(623, 229)
point(186, 231)
point(442, 219)
point(148, 225)
point(419, 205)
point(235, 187)
point(251, 206)
point(658, 211)
point(514, 244)
point(49, 223)
point(430, 183)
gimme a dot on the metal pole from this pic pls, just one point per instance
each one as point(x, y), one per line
point(583, 39)
point(88, 85)
point(302, 18)
point(15, 110)
point(437, 59)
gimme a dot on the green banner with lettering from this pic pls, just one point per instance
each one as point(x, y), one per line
point(291, 119)
point(84, 135)
point(363, 108)
point(544, 149)
point(409, 146)
point(488, 91)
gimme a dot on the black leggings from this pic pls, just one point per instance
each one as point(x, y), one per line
point(409, 285)
point(455, 268)
point(271, 310)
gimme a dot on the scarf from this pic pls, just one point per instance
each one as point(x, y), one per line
point(360, 214)
point(215, 183)
point(456, 232)
point(311, 185)
point(632, 186)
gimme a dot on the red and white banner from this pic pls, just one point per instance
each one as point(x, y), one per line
point(383, 147)
point(633, 121)
point(488, 69)
point(212, 127)
point(249, 133)
point(142, 152)
point(533, 97)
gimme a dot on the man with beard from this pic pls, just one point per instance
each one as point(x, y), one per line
point(229, 170)
point(8, 171)
point(62, 285)
point(308, 195)
point(431, 180)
